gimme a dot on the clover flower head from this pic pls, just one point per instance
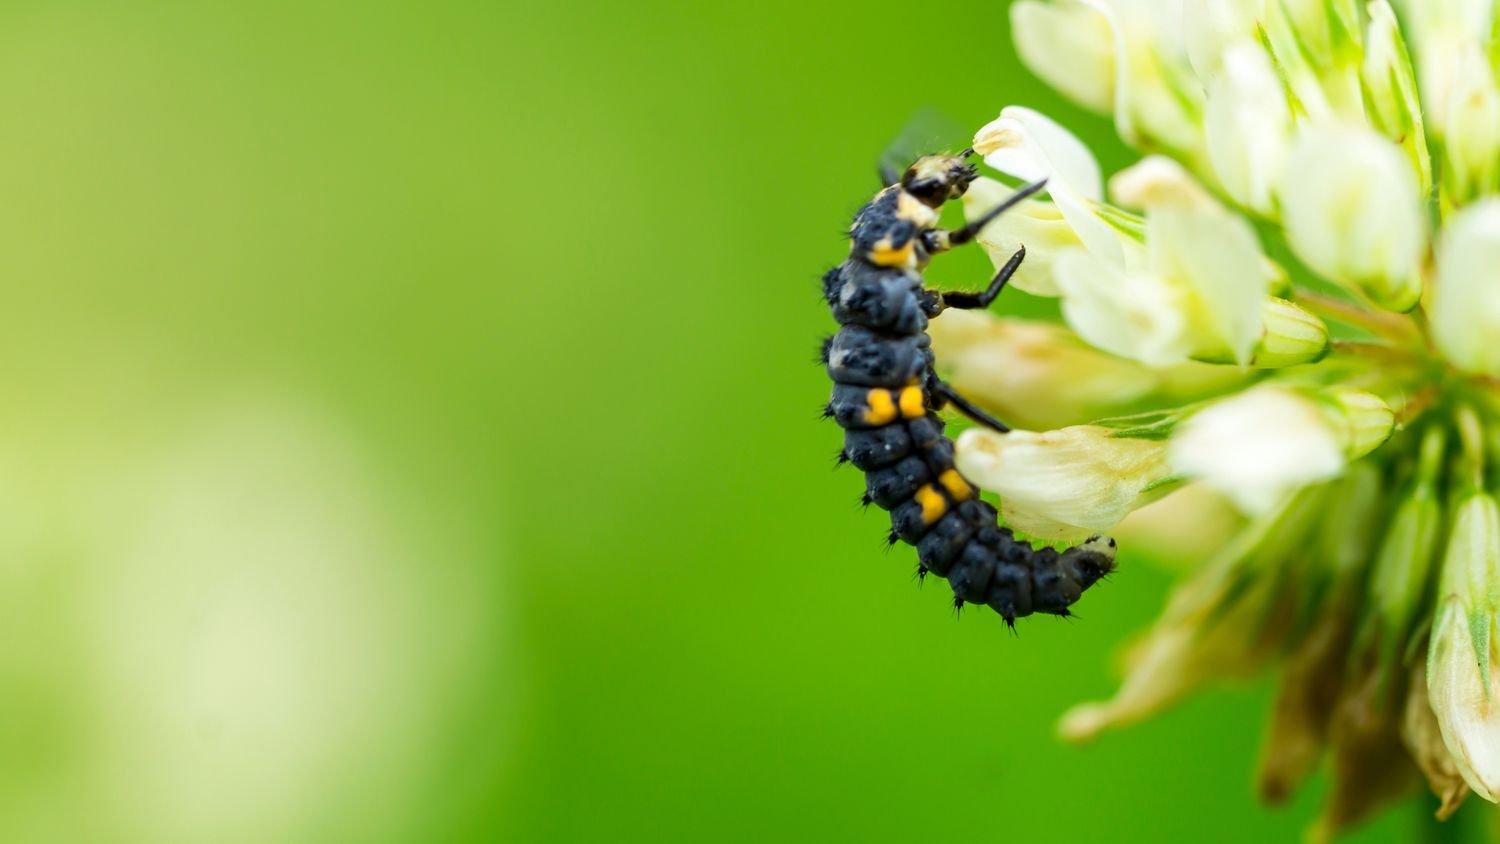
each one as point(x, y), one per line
point(1291, 301)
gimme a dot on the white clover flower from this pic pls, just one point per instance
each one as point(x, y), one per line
point(1256, 446)
point(1291, 299)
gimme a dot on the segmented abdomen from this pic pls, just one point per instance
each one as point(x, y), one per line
point(881, 366)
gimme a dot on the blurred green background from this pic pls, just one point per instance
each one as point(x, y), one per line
point(411, 436)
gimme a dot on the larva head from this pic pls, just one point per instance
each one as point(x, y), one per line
point(1089, 561)
point(935, 179)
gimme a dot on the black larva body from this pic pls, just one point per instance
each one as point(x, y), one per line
point(885, 394)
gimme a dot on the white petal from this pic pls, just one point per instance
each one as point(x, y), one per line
point(1030, 146)
point(1352, 212)
point(1132, 314)
point(1210, 26)
point(1156, 182)
point(1069, 46)
point(1201, 292)
point(1471, 127)
point(1034, 374)
point(1257, 446)
point(1315, 44)
point(1444, 30)
point(1215, 259)
point(1155, 93)
point(1248, 125)
point(1063, 483)
point(1039, 226)
point(1465, 308)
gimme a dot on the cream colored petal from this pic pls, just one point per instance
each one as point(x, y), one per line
point(1258, 446)
point(1038, 226)
point(1182, 529)
point(1070, 47)
point(1207, 256)
point(1352, 212)
point(1156, 96)
point(1423, 737)
point(1465, 306)
point(1214, 258)
point(1211, 26)
point(1063, 483)
point(1158, 182)
point(1471, 127)
point(1132, 314)
point(1248, 124)
point(1027, 144)
point(1033, 374)
point(1315, 44)
point(1030, 146)
point(1443, 31)
point(1463, 679)
point(1468, 712)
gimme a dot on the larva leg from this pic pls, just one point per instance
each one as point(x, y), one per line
point(958, 237)
point(972, 301)
point(941, 240)
point(967, 408)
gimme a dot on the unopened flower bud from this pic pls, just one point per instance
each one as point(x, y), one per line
point(1289, 336)
point(1407, 550)
point(1363, 420)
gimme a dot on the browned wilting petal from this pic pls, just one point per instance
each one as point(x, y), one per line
point(1371, 767)
point(1298, 731)
point(1424, 740)
point(1226, 621)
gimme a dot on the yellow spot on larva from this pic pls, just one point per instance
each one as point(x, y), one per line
point(911, 403)
point(956, 485)
point(880, 409)
point(908, 207)
point(933, 504)
point(886, 255)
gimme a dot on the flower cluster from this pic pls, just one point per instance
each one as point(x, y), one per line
point(1290, 300)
